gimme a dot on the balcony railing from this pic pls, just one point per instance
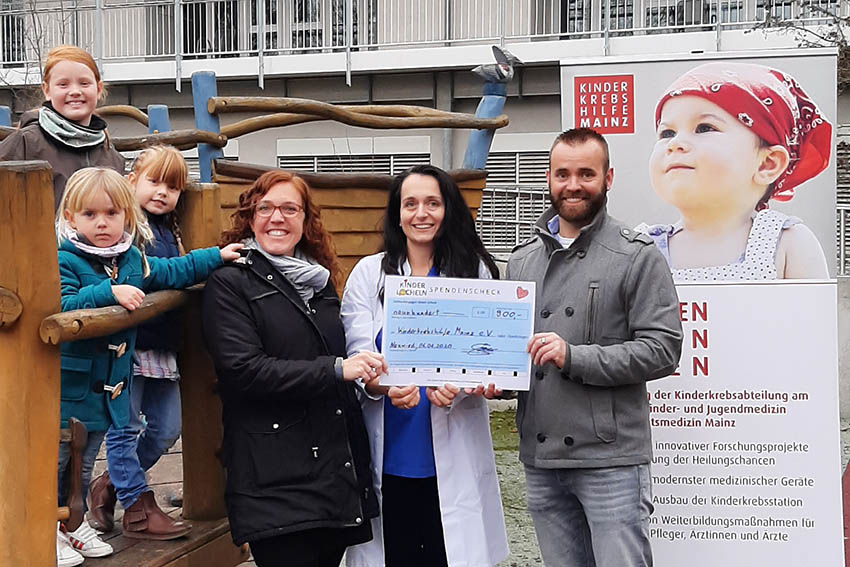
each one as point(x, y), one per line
point(142, 30)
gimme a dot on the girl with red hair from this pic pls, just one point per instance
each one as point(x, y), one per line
point(64, 131)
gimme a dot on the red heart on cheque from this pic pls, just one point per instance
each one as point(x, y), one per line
point(521, 292)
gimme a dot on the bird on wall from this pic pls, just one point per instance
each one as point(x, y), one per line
point(502, 71)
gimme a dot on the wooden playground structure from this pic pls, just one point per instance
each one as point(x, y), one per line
point(31, 324)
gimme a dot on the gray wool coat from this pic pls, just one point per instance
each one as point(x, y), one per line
point(610, 296)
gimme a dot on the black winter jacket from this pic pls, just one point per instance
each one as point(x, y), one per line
point(295, 447)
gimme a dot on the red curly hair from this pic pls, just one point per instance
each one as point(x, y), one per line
point(315, 241)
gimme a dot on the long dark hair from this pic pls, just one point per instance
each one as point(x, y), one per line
point(458, 249)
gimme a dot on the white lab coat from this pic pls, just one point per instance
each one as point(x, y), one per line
point(470, 503)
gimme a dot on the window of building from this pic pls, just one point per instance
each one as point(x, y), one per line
point(321, 23)
point(515, 196)
point(622, 12)
point(12, 32)
point(270, 24)
point(576, 17)
point(388, 164)
point(210, 27)
point(794, 9)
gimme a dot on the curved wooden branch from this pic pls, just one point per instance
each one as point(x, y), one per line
point(183, 139)
point(10, 307)
point(266, 121)
point(123, 110)
point(87, 323)
point(242, 170)
point(289, 118)
point(395, 117)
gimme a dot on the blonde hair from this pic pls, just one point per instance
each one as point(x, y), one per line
point(81, 188)
point(165, 164)
point(75, 54)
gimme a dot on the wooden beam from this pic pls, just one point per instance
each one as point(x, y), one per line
point(267, 121)
point(218, 552)
point(123, 110)
point(353, 220)
point(251, 172)
point(357, 243)
point(204, 87)
point(10, 307)
point(87, 323)
point(352, 116)
point(183, 139)
point(208, 541)
point(203, 476)
point(29, 369)
point(288, 118)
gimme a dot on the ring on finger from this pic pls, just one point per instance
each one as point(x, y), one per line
point(542, 340)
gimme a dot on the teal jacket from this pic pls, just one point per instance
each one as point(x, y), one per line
point(89, 365)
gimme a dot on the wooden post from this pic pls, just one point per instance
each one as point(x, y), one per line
point(158, 119)
point(203, 477)
point(203, 88)
point(29, 369)
point(491, 105)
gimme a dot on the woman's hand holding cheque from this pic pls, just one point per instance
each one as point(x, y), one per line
point(406, 397)
point(365, 365)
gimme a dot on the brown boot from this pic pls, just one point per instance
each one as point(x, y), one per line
point(144, 520)
point(102, 504)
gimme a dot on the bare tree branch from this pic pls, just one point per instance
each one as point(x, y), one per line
point(818, 26)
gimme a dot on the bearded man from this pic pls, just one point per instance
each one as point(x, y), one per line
point(606, 323)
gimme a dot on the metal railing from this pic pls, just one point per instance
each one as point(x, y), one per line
point(507, 214)
point(842, 235)
point(130, 30)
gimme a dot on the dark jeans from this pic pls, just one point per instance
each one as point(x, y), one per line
point(321, 547)
point(413, 528)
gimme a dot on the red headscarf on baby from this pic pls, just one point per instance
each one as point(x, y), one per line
point(773, 105)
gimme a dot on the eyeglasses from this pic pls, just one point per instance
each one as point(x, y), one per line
point(267, 209)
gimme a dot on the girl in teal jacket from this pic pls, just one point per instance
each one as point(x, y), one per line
point(101, 233)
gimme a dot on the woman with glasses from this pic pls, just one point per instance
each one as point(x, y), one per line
point(295, 449)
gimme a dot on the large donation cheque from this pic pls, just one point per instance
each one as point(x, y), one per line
point(460, 331)
point(746, 464)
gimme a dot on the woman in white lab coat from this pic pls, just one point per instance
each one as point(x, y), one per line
point(432, 455)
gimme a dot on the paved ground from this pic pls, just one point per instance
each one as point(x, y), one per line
point(165, 478)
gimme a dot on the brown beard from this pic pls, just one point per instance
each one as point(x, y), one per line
point(585, 214)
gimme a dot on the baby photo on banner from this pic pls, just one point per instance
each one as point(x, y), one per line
point(728, 165)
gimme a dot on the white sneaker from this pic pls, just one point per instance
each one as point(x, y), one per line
point(65, 554)
point(86, 541)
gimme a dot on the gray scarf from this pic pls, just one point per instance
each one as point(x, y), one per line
point(83, 243)
point(305, 275)
point(68, 132)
